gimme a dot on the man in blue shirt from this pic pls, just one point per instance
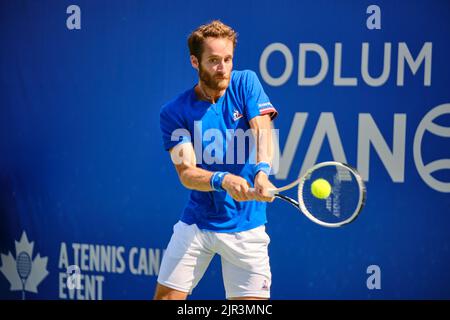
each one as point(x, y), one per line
point(205, 129)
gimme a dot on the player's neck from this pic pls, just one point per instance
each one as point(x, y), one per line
point(205, 93)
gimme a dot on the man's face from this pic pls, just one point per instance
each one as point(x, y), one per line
point(215, 67)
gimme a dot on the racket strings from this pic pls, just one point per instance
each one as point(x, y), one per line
point(343, 201)
point(23, 264)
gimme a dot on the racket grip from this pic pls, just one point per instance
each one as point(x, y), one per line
point(271, 192)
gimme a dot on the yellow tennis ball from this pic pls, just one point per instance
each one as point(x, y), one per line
point(321, 188)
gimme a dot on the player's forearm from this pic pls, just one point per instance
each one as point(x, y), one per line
point(264, 146)
point(195, 178)
point(262, 129)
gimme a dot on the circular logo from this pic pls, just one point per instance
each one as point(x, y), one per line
point(427, 125)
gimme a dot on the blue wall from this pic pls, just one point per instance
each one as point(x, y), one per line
point(82, 166)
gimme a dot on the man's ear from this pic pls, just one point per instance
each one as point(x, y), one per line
point(194, 62)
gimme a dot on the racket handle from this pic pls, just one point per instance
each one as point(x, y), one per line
point(271, 192)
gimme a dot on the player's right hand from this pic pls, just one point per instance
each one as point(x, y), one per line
point(237, 187)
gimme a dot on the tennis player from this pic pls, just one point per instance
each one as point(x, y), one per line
point(222, 215)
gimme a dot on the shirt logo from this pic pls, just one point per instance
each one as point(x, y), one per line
point(265, 105)
point(265, 285)
point(236, 115)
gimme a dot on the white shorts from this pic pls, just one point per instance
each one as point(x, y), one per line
point(244, 257)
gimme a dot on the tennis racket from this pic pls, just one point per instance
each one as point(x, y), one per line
point(344, 203)
point(23, 266)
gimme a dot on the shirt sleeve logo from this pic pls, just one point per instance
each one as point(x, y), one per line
point(236, 115)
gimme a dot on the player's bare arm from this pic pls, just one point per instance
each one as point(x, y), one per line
point(195, 178)
point(261, 127)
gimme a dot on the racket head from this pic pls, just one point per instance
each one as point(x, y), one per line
point(346, 200)
point(23, 265)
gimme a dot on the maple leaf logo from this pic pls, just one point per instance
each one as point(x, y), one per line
point(22, 272)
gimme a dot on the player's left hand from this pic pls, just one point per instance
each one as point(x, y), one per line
point(262, 185)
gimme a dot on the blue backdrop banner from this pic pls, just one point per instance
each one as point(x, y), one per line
point(88, 196)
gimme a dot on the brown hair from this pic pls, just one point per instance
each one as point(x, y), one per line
point(214, 29)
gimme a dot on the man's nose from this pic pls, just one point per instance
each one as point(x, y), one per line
point(220, 65)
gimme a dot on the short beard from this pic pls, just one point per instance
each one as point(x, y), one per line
point(211, 82)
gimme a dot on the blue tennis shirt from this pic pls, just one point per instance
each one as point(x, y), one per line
point(211, 129)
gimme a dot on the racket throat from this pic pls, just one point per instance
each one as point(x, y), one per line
point(288, 199)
